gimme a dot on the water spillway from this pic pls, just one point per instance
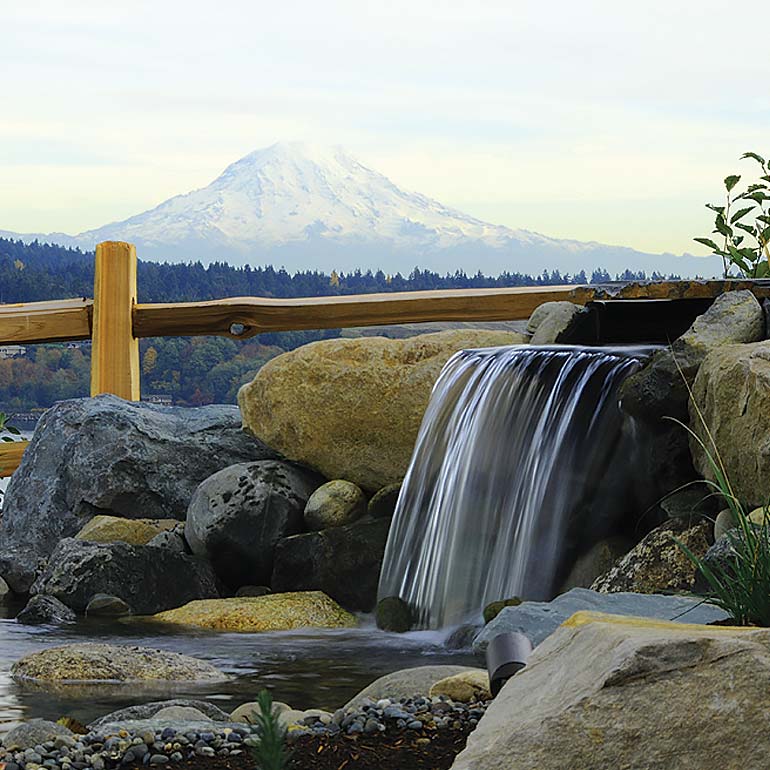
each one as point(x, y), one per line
point(523, 460)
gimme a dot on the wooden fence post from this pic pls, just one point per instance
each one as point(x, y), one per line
point(115, 350)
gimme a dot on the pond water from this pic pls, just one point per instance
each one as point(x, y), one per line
point(311, 668)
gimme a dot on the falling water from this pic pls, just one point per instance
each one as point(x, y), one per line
point(522, 457)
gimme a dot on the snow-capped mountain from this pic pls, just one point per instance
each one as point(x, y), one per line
point(313, 207)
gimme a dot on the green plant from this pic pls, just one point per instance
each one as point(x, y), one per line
point(270, 753)
point(744, 224)
point(740, 585)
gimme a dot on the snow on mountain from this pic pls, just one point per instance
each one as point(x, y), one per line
point(304, 207)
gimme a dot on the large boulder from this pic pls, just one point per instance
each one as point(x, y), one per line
point(657, 564)
point(538, 620)
point(272, 612)
point(109, 529)
point(344, 562)
point(731, 396)
point(660, 388)
point(608, 692)
point(149, 579)
point(104, 455)
point(352, 408)
point(237, 516)
point(89, 662)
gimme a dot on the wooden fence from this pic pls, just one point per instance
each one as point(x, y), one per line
point(115, 321)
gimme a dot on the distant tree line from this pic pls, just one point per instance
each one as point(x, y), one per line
point(198, 370)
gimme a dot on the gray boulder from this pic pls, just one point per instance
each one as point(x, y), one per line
point(551, 320)
point(538, 620)
point(104, 455)
point(660, 388)
point(148, 579)
point(149, 710)
point(173, 539)
point(45, 610)
point(237, 516)
point(343, 562)
point(601, 694)
point(407, 683)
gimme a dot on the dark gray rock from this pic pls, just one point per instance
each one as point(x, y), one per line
point(462, 637)
point(149, 579)
point(173, 539)
point(253, 591)
point(720, 558)
point(104, 455)
point(33, 733)
point(343, 562)
point(383, 502)
point(538, 620)
point(149, 710)
point(238, 515)
point(660, 388)
point(41, 610)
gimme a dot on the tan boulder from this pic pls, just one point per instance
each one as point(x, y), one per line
point(606, 691)
point(111, 529)
point(351, 408)
point(468, 687)
point(732, 394)
point(272, 612)
point(334, 504)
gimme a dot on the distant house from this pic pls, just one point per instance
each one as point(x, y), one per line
point(12, 351)
point(159, 400)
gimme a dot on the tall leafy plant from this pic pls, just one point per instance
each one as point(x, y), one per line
point(270, 753)
point(742, 224)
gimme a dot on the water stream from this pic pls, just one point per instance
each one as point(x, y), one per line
point(522, 460)
point(311, 668)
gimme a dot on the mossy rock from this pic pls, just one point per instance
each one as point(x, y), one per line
point(493, 609)
point(111, 529)
point(273, 612)
point(393, 614)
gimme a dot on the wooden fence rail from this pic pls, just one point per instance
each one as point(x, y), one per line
point(115, 322)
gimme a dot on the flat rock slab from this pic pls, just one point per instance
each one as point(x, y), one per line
point(538, 620)
point(90, 662)
point(617, 692)
point(272, 612)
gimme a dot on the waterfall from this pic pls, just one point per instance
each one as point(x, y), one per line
point(523, 457)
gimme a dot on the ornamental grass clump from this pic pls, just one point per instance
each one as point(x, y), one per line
point(740, 583)
point(270, 753)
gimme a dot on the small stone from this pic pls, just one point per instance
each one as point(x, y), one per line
point(393, 614)
point(158, 759)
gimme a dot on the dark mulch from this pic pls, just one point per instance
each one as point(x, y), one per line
point(399, 750)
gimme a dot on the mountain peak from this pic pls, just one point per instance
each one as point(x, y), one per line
point(310, 206)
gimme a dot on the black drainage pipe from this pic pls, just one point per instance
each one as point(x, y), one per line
point(507, 654)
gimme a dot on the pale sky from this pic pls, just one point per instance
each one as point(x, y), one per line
point(607, 121)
